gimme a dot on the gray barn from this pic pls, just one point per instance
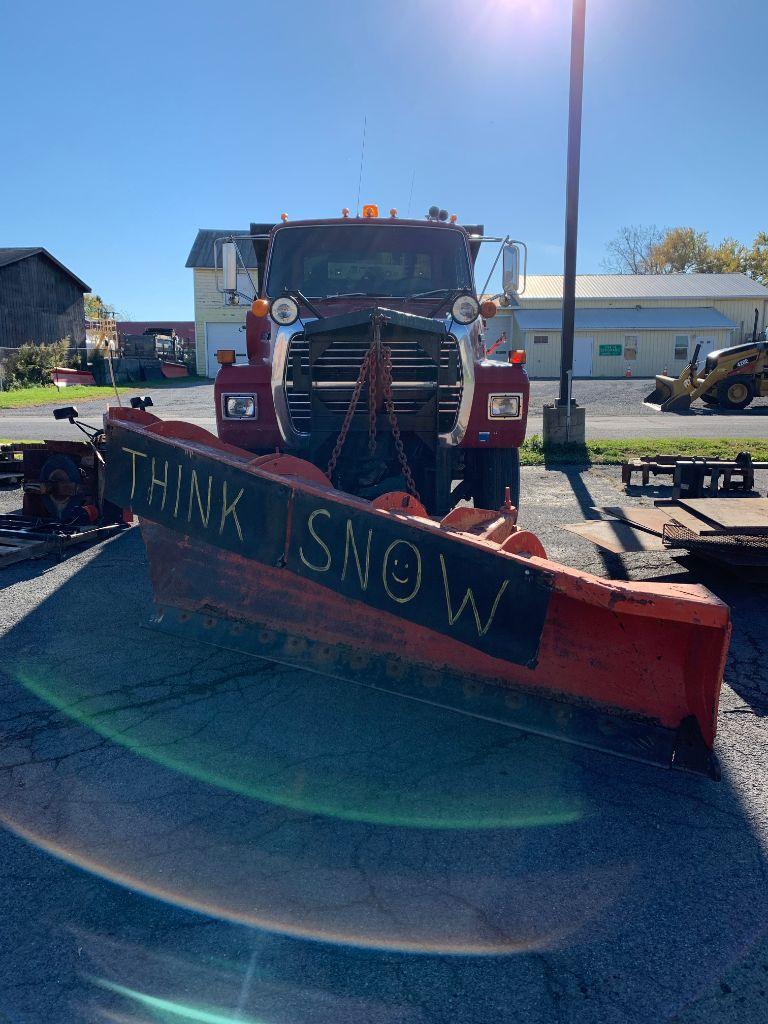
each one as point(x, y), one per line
point(40, 300)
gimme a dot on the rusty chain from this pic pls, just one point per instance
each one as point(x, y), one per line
point(377, 361)
point(390, 406)
point(349, 414)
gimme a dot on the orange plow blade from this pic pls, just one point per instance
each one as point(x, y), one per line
point(265, 556)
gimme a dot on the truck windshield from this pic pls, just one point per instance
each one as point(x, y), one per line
point(370, 259)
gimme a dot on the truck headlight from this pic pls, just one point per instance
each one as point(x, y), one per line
point(465, 309)
point(504, 407)
point(285, 311)
point(240, 407)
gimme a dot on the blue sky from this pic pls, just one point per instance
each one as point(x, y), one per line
point(125, 127)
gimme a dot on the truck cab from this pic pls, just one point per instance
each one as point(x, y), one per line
point(366, 357)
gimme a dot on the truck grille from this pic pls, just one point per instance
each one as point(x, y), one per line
point(336, 371)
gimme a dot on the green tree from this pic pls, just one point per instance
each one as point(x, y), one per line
point(729, 257)
point(756, 258)
point(681, 251)
point(95, 307)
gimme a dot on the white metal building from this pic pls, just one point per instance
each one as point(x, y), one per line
point(630, 325)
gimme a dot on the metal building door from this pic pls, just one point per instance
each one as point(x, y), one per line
point(582, 356)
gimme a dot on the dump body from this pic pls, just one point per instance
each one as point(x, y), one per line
point(267, 557)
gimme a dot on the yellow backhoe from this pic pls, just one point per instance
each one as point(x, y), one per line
point(730, 379)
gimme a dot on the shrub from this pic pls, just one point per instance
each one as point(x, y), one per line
point(30, 365)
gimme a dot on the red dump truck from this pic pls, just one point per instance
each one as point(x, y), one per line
point(366, 357)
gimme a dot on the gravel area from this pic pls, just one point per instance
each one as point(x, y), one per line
point(379, 844)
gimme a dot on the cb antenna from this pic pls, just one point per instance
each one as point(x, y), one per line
point(362, 158)
point(410, 197)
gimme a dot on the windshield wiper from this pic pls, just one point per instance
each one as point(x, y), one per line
point(299, 298)
point(354, 295)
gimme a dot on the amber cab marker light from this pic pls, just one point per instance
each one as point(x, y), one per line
point(260, 307)
point(345, 212)
point(454, 218)
point(370, 210)
point(283, 217)
point(393, 212)
point(488, 309)
point(225, 356)
point(517, 356)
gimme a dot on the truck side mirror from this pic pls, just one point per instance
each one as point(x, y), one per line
point(229, 266)
point(510, 274)
point(69, 412)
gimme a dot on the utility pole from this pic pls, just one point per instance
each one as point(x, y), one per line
point(565, 420)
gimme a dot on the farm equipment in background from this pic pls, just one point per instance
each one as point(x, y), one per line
point(63, 496)
point(731, 378)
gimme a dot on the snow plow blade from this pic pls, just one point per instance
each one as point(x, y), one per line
point(263, 555)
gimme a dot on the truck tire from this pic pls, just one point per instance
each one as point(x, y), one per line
point(495, 470)
point(736, 392)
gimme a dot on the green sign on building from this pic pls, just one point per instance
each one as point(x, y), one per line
point(610, 350)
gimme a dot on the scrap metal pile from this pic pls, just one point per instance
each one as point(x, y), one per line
point(732, 532)
point(64, 504)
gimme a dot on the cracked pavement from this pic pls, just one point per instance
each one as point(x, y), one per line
point(193, 835)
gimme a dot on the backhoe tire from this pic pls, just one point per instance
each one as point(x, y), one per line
point(495, 469)
point(735, 392)
point(710, 399)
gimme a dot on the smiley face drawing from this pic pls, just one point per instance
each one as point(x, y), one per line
point(401, 571)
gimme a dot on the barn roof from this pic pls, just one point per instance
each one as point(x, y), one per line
point(13, 255)
point(201, 254)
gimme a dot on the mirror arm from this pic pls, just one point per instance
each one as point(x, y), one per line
point(490, 273)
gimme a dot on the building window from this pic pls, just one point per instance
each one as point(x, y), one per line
point(681, 346)
point(630, 346)
point(540, 339)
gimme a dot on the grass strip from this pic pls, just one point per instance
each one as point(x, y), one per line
point(610, 452)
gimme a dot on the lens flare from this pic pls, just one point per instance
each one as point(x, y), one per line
point(362, 755)
point(176, 1011)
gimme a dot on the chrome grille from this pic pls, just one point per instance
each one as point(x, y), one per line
point(338, 367)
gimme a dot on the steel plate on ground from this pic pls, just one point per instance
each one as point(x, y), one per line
point(652, 519)
point(730, 512)
point(616, 536)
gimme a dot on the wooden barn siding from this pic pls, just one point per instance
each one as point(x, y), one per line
point(39, 303)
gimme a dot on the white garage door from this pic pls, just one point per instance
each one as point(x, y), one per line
point(223, 336)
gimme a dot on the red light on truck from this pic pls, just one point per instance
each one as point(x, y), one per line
point(517, 357)
point(488, 309)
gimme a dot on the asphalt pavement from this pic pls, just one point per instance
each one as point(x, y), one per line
point(614, 410)
point(193, 835)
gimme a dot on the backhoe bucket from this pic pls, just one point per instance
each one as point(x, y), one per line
point(663, 390)
point(264, 556)
point(677, 403)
